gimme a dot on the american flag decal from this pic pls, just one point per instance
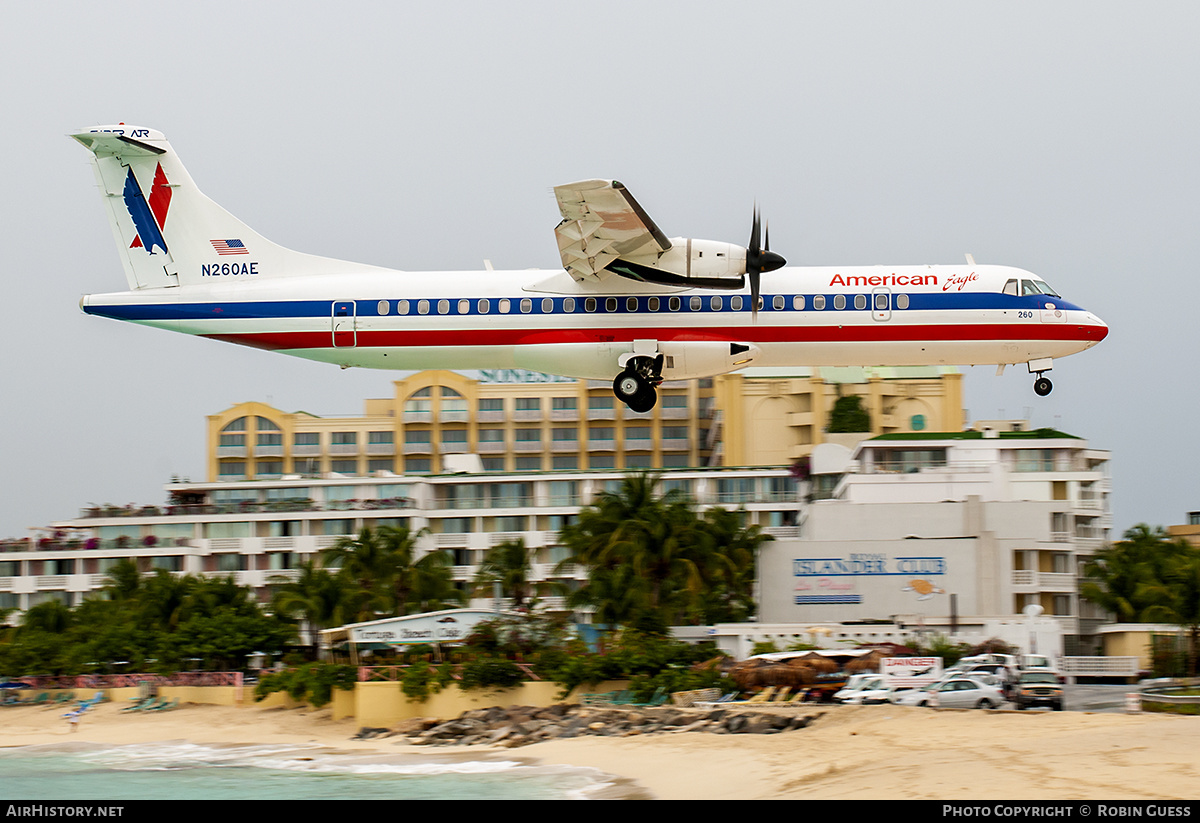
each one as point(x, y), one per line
point(224, 247)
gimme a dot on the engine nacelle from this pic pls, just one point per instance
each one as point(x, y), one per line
point(689, 262)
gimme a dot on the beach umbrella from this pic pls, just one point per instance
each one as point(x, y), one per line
point(866, 663)
point(816, 662)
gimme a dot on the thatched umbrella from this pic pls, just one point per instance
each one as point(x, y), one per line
point(817, 663)
point(867, 663)
point(771, 674)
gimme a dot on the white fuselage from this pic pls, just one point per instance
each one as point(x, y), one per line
point(865, 316)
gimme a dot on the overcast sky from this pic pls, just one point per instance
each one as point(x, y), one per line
point(1057, 137)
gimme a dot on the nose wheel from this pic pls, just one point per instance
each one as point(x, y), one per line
point(1042, 386)
point(635, 386)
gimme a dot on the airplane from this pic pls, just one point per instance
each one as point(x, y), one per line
point(630, 304)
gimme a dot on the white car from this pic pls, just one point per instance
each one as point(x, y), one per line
point(864, 689)
point(954, 693)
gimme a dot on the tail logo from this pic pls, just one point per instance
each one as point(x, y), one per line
point(149, 216)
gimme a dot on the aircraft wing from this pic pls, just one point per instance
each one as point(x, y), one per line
point(601, 222)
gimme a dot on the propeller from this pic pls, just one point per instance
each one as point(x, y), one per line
point(759, 260)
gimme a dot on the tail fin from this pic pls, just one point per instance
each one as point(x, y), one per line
point(167, 232)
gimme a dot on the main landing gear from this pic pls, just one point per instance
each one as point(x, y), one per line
point(635, 386)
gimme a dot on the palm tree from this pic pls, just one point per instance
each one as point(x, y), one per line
point(507, 564)
point(1124, 578)
point(388, 578)
point(315, 596)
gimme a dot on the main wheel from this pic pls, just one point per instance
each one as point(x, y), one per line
point(1042, 386)
point(629, 385)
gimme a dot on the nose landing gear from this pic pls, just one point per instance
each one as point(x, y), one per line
point(1042, 385)
point(635, 386)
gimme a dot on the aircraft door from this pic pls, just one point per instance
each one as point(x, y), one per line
point(881, 304)
point(344, 333)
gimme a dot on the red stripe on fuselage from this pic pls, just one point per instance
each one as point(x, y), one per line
point(883, 332)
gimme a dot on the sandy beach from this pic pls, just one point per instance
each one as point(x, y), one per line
point(851, 752)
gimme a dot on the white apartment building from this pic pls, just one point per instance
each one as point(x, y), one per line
point(946, 532)
point(258, 531)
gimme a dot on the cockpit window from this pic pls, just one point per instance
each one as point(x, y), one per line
point(1010, 288)
point(1037, 287)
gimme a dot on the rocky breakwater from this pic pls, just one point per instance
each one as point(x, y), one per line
point(523, 725)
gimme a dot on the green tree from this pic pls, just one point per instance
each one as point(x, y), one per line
point(506, 563)
point(652, 562)
point(848, 415)
point(1148, 578)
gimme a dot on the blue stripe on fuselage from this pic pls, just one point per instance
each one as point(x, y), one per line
point(262, 309)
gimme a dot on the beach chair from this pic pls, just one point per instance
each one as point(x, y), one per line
point(141, 705)
point(164, 706)
point(660, 697)
point(597, 698)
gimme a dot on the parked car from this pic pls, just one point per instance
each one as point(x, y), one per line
point(954, 693)
point(1038, 688)
point(864, 690)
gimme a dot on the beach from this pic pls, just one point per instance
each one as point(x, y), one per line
point(850, 752)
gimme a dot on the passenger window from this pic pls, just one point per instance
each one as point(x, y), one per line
point(526, 305)
point(839, 301)
point(484, 305)
point(443, 307)
point(464, 306)
point(860, 301)
point(568, 304)
point(881, 302)
point(819, 302)
point(547, 305)
point(610, 304)
point(777, 302)
point(735, 302)
point(401, 307)
point(696, 304)
point(423, 307)
point(384, 307)
point(630, 304)
point(653, 303)
point(798, 302)
point(902, 301)
point(674, 303)
point(589, 304)
point(505, 305)
point(715, 302)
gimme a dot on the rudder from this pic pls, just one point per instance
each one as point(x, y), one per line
point(170, 234)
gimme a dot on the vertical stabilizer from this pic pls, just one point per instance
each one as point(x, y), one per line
point(167, 232)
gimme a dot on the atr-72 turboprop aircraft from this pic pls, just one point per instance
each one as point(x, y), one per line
point(630, 305)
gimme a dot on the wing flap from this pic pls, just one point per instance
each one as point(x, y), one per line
point(601, 222)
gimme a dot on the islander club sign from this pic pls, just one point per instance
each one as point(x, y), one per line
point(452, 626)
point(834, 581)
